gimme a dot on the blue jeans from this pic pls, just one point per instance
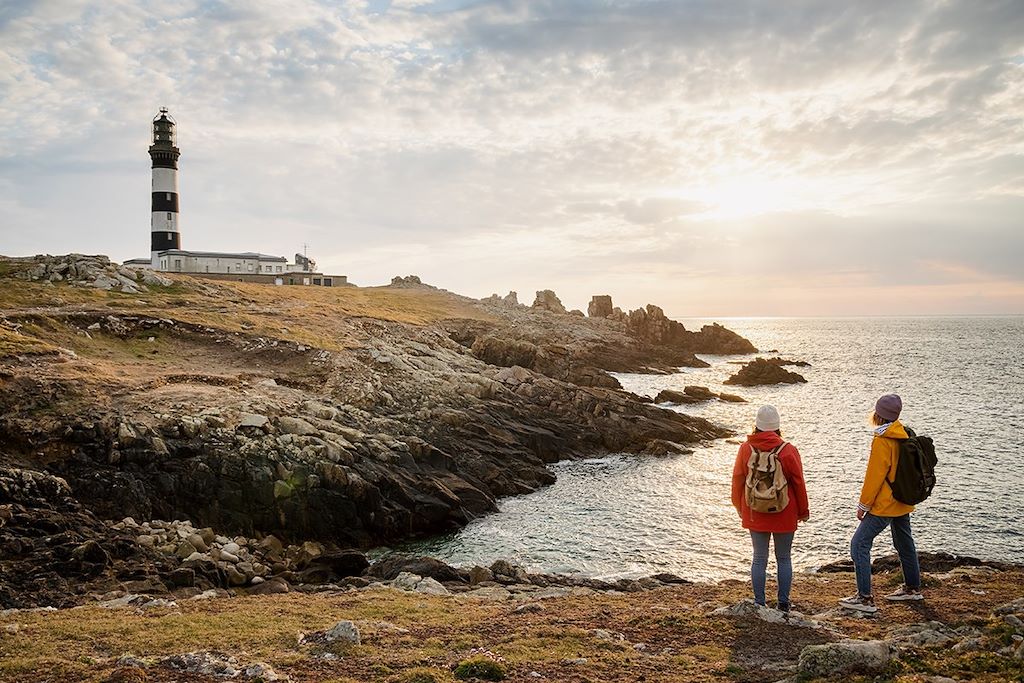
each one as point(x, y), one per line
point(783, 558)
point(860, 549)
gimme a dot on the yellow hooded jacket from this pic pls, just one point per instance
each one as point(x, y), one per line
point(876, 494)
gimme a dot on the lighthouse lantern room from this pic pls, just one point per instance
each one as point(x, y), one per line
point(164, 227)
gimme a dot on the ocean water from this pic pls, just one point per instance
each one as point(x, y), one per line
point(962, 382)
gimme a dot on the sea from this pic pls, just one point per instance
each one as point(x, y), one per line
point(962, 383)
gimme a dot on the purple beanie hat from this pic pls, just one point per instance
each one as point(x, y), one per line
point(888, 407)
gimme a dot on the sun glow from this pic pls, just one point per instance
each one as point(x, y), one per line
point(747, 196)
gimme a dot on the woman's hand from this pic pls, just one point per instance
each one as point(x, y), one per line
point(860, 513)
point(804, 518)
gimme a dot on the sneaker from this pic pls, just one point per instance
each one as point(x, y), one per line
point(784, 607)
point(860, 603)
point(904, 593)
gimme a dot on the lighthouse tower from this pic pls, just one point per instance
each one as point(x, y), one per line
point(164, 153)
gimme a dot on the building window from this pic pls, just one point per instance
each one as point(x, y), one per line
point(279, 269)
point(249, 267)
point(168, 196)
point(238, 267)
point(177, 264)
point(168, 215)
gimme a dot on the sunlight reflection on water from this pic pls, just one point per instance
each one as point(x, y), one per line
point(961, 382)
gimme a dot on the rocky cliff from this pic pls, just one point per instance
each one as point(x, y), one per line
point(354, 416)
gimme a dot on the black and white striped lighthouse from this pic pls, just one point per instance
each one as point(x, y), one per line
point(164, 227)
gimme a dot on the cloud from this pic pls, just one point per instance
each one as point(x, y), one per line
point(631, 144)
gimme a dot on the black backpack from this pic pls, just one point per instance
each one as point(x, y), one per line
point(915, 471)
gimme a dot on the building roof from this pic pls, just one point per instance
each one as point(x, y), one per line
point(218, 254)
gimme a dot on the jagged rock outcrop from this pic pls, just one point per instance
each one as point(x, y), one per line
point(600, 306)
point(85, 271)
point(762, 371)
point(409, 282)
point(547, 300)
point(650, 325)
point(510, 300)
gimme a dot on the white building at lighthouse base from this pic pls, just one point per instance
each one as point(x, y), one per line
point(245, 266)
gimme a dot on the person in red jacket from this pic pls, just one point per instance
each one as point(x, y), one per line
point(780, 526)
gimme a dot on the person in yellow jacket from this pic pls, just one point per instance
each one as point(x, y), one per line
point(878, 509)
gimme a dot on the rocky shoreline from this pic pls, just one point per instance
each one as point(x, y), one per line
point(348, 418)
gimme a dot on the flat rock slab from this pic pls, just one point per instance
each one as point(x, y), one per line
point(488, 593)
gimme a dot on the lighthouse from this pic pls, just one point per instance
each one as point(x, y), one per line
point(166, 253)
point(164, 227)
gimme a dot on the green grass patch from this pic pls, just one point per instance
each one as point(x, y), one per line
point(480, 668)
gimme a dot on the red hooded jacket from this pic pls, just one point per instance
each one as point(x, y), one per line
point(789, 458)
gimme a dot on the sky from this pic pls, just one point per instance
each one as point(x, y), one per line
point(739, 158)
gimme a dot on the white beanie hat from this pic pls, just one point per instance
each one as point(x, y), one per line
point(767, 419)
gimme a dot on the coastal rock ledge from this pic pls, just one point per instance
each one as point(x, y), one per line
point(348, 417)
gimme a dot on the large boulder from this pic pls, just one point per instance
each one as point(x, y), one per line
point(389, 568)
point(845, 657)
point(332, 566)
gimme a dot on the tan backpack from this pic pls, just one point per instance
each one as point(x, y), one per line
point(767, 488)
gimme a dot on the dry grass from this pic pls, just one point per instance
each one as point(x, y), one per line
point(306, 315)
point(18, 344)
point(681, 643)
